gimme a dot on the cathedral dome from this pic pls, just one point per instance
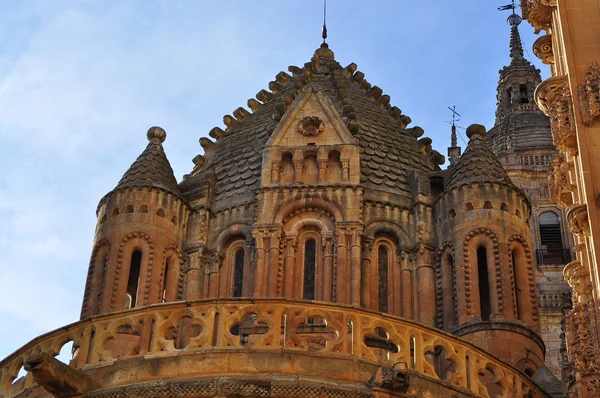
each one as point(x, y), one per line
point(389, 151)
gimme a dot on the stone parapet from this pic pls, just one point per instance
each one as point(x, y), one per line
point(339, 343)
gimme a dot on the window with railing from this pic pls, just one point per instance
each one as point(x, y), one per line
point(552, 251)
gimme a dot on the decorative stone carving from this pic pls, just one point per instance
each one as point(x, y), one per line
point(589, 95)
point(542, 49)
point(554, 99)
point(581, 333)
point(559, 182)
point(393, 378)
point(538, 13)
point(578, 220)
point(310, 126)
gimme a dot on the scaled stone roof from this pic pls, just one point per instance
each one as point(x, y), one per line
point(152, 168)
point(477, 164)
point(389, 151)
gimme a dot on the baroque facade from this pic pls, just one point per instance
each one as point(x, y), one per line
point(316, 249)
point(571, 98)
point(522, 141)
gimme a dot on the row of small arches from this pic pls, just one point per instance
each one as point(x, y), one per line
point(143, 209)
point(486, 205)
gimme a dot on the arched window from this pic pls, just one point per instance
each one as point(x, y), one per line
point(310, 170)
point(287, 168)
point(334, 170)
point(238, 272)
point(231, 276)
point(484, 284)
point(310, 252)
point(517, 284)
point(134, 279)
point(383, 254)
point(523, 308)
point(552, 250)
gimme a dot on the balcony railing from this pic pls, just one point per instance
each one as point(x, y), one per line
point(553, 256)
point(277, 326)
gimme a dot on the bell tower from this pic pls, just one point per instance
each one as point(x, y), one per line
point(522, 141)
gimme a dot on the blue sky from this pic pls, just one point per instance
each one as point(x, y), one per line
point(81, 82)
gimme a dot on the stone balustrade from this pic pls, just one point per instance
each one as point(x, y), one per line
point(278, 326)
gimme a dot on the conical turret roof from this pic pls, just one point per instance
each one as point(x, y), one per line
point(478, 163)
point(151, 168)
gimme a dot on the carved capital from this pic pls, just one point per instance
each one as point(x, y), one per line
point(542, 48)
point(367, 245)
point(578, 277)
point(291, 243)
point(589, 95)
point(578, 220)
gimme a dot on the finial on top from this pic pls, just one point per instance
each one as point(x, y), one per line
point(324, 32)
point(475, 129)
point(514, 20)
point(156, 133)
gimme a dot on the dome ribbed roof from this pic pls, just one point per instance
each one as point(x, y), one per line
point(478, 163)
point(151, 168)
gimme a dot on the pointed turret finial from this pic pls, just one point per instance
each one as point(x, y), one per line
point(514, 20)
point(454, 150)
point(516, 46)
point(156, 134)
point(324, 33)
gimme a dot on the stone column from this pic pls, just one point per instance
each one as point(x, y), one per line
point(345, 170)
point(298, 165)
point(322, 170)
point(406, 285)
point(194, 274)
point(327, 269)
point(355, 271)
point(275, 171)
point(273, 267)
point(365, 266)
point(291, 245)
point(216, 260)
point(341, 266)
point(260, 281)
point(426, 287)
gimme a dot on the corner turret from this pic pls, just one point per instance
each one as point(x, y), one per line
point(485, 279)
point(136, 258)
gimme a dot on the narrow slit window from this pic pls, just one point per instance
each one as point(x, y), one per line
point(383, 256)
point(166, 279)
point(238, 272)
point(484, 284)
point(309, 269)
point(517, 284)
point(134, 279)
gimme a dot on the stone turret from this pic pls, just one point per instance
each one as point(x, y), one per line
point(486, 285)
point(136, 257)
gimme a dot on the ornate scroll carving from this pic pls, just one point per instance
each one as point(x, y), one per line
point(554, 99)
point(589, 95)
point(578, 220)
point(542, 48)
